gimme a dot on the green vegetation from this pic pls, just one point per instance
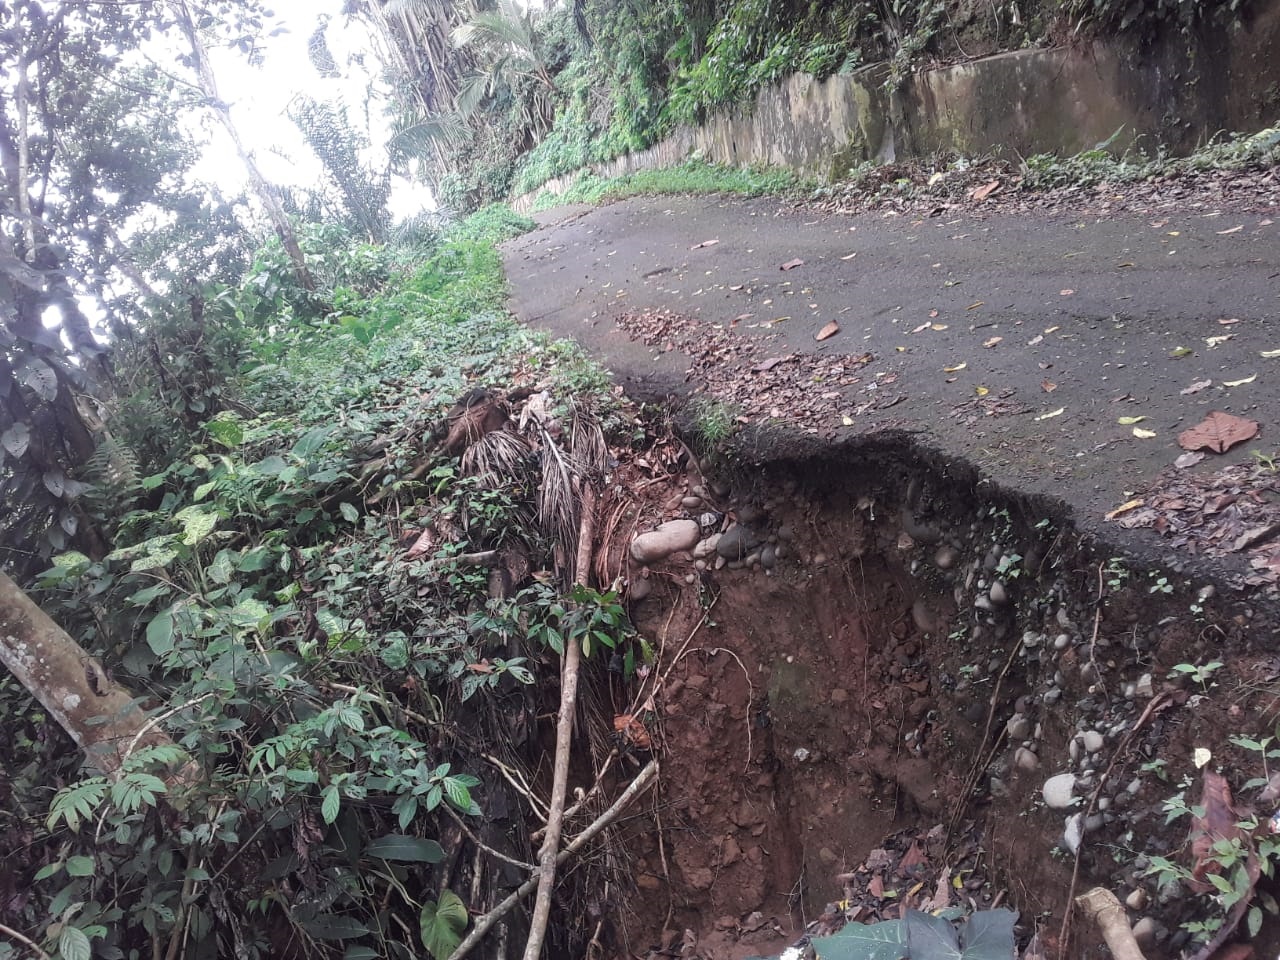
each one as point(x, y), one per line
point(589, 80)
point(691, 177)
point(291, 582)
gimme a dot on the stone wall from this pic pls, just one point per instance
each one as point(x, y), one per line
point(1175, 93)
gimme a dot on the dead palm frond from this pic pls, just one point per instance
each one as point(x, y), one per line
point(497, 459)
point(558, 503)
point(587, 443)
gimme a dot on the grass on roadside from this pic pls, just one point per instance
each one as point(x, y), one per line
point(694, 176)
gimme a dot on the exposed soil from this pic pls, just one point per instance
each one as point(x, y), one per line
point(852, 694)
point(921, 649)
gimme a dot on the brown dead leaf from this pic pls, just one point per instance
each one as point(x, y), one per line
point(1218, 433)
point(482, 667)
point(1217, 823)
point(828, 331)
point(1228, 321)
point(423, 545)
point(632, 731)
point(975, 305)
point(766, 365)
point(991, 342)
point(704, 243)
point(1195, 387)
point(792, 264)
point(876, 887)
point(923, 326)
point(1048, 386)
point(913, 862)
point(1066, 293)
point(1223, 233)
point(987, 189)
point(933, 314)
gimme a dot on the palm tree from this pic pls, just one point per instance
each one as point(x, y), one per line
point(509, 48)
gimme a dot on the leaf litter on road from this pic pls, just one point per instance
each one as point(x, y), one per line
point(828, 331)
point(792, 264)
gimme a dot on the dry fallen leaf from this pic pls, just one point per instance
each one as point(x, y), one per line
point(956, 369)
point(849, 256)
point(1223, 233)
point(1228, 321)
point(1188, 460)
point(992, 342)
point(987, 189)
point(932, 314)
point(1124, 508)
point(923, 326)
point(1195, 387)
point(981, 391)
point(1179, 352)
point(1130, 421)
point(704, 243)
point(1214, 341)
point(1269, 354)
point(1048, 386)
point(975, 305)
point(1052, 413)
point(828, 331)
point(1035, 340)
point(1239, 383)
point(1066, 293)
point(1218, 432)
point(1143, 434)
point(847, 420)
point(938, 327)
point(792, 264)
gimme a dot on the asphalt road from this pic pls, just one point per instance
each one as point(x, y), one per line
point(1101, 319)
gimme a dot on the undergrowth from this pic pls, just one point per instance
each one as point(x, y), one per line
point(694, 176)
point(290, 595)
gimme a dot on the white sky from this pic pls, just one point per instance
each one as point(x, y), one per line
point(260, 98)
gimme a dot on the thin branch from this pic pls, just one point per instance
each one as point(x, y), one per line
point(25, 941)
point(485, 924)
point(477, 841)
point(547, 859)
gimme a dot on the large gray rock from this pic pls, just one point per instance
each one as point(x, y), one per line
point(670, 537)
point(736, 542)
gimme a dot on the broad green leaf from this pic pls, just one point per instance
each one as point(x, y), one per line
point(361, 953)
point(442, 924)
point(39, 376)
point(204, 490)
point(988, 935)
point(227, 430)
point(330, 805)
point(48, 870)
point(310, 442)
point(349, 513)
point(160, 633)
point(397, 846)
point(931, 938)
point(332, 926)
point(73, 944)
point(457, 793)
point(864, 941)
point(160, 557)
point(16, 439)
point(80, 866)
point(197, 523)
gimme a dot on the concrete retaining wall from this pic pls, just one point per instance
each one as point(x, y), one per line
point(1175, 93)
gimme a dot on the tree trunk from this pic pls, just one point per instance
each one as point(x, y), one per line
point(73, 687)
point(266, 192)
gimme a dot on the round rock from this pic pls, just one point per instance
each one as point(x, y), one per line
point(736, 542)
point(1058, 791)
point(671, 537)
